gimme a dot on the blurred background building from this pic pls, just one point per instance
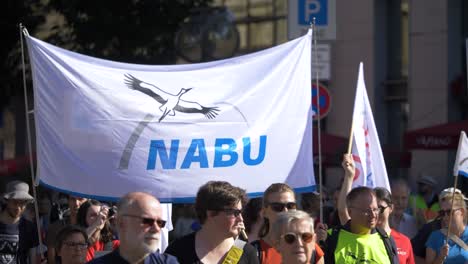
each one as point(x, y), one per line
point(414, 56)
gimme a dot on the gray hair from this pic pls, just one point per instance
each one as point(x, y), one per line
point(284, 220)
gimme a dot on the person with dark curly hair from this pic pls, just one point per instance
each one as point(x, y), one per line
point(218, 206)
point(92, 215)
point(252, 217)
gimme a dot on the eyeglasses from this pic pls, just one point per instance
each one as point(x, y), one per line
point(290, 238)
point(368, 212)
point(77, 245)
point(149, 221)
point(382, 208)
point(443, 213)
point(279, 207)
point(230, 211)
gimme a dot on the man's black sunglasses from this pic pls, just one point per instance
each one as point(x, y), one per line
point(382, 208)
point(149, 221)
point(279, 207)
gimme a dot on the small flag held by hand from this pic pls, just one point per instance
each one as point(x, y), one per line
point(461, 162)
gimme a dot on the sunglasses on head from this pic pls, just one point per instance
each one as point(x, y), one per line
point(290, 238)
point(279, 207)
point(146, 221)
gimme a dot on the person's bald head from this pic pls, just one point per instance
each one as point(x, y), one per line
point(139, 223)
point(136, 201)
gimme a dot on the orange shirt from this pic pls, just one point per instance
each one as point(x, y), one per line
point(271, 256)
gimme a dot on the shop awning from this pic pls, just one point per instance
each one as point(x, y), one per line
point(439, 137)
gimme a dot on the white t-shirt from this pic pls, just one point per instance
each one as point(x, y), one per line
point(167, 216)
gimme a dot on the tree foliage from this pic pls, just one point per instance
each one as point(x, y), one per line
point(137, 31)
point(133, 31)
point(28, 13)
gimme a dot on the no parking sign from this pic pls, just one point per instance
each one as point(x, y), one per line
point(324, 102)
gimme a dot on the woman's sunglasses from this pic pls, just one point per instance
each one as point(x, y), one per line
point(279, 207)
point(443, 213)
point(290, 238)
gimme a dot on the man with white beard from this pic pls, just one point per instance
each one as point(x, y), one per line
point(139, 223)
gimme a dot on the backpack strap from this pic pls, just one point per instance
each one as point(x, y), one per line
point(455, 239)
point(313, 256)
point(330, 245)
point(258, 247)
point(390, 245)
point(234, 254)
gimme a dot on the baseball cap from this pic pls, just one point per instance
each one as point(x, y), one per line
point(450, 191)
point(427, 179)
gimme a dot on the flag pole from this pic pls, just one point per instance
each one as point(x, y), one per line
point(455, 172)
point(319, 133)
point(23, 30)
point(451, 209)
point(351, 133)
point(350, 143)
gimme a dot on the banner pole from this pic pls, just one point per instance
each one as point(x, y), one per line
point(350, 143)
point(314, 37)
point(451, 210)
point(23, 30)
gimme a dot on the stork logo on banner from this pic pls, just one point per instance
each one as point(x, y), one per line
point(170, 102)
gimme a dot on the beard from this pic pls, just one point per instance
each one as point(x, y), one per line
point(150, 245)
point(14, 212)
point(144, 244)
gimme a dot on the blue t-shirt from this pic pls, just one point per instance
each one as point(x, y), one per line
point(456, 253)
point(153, 258)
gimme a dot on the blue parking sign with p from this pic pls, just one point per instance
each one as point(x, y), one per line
point(309, 9)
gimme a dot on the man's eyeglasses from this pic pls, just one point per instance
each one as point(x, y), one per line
point(279, 207)
point(290, 238)
point(443, 213)
point(368, 212)
point(230, 211)
point(76, 245)
point(149, 221)
point(21, 203)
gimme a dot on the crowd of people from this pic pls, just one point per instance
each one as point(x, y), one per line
point(360, 225)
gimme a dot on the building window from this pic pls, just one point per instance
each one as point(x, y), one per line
point(261, 23)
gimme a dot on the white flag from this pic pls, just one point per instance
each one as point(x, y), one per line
point(106, 128)
point(461, 162)
point(367, 154)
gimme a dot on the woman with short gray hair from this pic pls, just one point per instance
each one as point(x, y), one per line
point(295, 237)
